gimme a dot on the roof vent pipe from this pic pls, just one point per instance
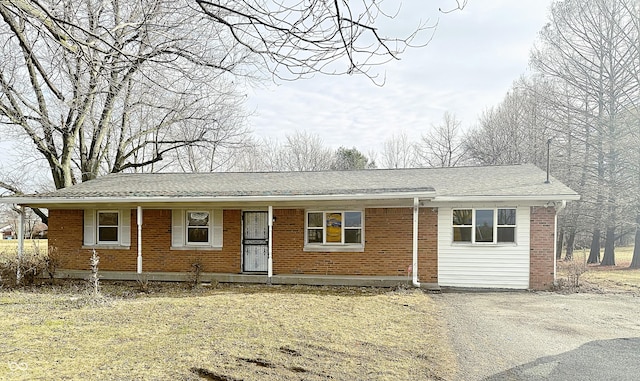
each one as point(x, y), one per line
point(548, 159)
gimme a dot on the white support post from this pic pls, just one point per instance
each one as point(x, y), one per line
point(414, 265)
point(139, 221)
point(270, 255)
point(20, 243)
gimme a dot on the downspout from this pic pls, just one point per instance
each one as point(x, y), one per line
point(270, 254)
point(139, 221)
point(20, 243)
point(555, 241)
point(414, 265)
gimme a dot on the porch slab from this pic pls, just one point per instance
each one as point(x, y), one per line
point(281, 279)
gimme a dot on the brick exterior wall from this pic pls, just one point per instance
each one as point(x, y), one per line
point(387, 251)
point(66, 227)
point(388, 246)
point(542, 254)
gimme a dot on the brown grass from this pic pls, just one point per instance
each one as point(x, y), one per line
point(226, 333)
point(10, 246)
point(617, 278)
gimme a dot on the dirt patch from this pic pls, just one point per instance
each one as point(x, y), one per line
point(209, 375)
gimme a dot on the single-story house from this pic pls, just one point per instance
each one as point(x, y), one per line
point(481, 227)
point(6, 232)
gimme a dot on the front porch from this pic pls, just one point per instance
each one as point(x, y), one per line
point(283, 279)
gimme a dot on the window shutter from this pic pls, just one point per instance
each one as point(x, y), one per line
point(177, 227)
point(216, 228)
point(89, 227)
point(125, 227)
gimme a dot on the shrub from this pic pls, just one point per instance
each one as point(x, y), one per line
point(23, 271)
point(573, 269)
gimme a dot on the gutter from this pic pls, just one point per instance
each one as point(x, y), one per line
point(549, 197)
point(177, 199)
point(555, 241)
point(416, 209)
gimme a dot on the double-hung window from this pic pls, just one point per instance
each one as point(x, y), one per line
point(108, 226)
point(334, 228)
point(198, 228)
point(484, 225)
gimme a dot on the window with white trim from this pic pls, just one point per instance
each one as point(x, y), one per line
point(108, 226)
point(334, 228)
point(198, 228)
point(484, 225)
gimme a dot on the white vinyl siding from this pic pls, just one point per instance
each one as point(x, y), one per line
point(179, 229)
point(487, 265)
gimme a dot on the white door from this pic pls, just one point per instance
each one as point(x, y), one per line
point(255, 241)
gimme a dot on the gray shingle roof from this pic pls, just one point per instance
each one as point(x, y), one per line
point(508, 181)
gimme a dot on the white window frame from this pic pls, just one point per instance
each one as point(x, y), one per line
point(495, 227)
point(98, 226)
point(342, 243)
point(186, 228)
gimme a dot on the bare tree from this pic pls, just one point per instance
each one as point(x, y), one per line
point(112, 86)
point(305, 151)
point(299, 37)
point(398, 152)
point(589, 45)
point(442, 146)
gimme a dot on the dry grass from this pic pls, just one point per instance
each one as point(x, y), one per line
point(617, 278)
point(226, 333)
point(10, 246)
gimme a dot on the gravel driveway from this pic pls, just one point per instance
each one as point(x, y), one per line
point(543, 336)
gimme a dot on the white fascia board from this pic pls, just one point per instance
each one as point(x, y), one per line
point(238, 199)
point(550, 197)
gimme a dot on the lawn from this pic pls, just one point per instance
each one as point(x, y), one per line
point(10, 246)
point(222, 333)
point(610, 278)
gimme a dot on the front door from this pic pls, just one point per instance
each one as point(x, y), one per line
point(255, 241)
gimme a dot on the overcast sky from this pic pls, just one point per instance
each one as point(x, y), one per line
point(473, 59)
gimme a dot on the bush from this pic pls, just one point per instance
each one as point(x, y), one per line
point(29, 268)
point(573, 269)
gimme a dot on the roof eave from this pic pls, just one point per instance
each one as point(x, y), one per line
point(213, 199)
point(493, 198)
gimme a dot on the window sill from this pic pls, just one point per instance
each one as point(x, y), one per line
point(197, 248)
point(106, 247)
point(486, 244)
point(334, 248)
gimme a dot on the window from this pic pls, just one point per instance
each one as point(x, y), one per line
point(109, 229)
point(334, 228)
point(108, 226)
point(198, 228)
point(484, 225)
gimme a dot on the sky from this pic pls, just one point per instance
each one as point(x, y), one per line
point(469, 65)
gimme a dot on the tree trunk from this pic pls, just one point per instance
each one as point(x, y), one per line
point(570, 242)
point(609, 258)
point(559, 244)
point(635, 260)
point(594, 252)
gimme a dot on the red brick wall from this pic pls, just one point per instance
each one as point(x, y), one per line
point(387, 251)
point(388, 246)
point(542, 244)
point(66, 232)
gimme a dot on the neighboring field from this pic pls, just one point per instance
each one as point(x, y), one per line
point(226, 333)
point(10, 246)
